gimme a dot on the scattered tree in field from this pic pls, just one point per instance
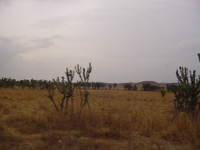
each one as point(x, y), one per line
point(134, 87)
point(109, 86)
point(129, 86)
point(171, 87)
point(187, 92)
point(98, 85)
point(84, 76)
point(114, 85)
point(149, 87)
point(66, 88)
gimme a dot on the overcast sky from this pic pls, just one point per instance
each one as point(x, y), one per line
point(125, 40)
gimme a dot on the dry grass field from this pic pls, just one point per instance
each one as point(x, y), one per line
point(118, 120)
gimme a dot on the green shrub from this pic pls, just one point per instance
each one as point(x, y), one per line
point(163, 92)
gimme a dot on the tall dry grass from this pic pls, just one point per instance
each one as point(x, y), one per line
point(118, 120)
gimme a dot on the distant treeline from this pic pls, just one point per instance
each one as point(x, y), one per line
point(11, 83)
point(129, 86)
point(150, 87)
point(45, 84)
point(145, 87)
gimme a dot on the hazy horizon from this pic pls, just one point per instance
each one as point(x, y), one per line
point(125, 41)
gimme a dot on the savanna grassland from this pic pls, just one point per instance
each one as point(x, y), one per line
point(118, 120)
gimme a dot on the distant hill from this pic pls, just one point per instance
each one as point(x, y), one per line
point(151, 82)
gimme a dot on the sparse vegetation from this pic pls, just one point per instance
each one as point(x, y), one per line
point(119, 120)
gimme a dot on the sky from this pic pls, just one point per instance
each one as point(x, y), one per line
point(124, 40)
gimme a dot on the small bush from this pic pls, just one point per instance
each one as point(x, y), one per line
point(163, 92)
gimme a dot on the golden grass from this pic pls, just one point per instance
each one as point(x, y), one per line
point(118, 120)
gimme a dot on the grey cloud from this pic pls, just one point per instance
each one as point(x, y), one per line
point(10, 47)
point(55, 0)
point(139, 38)
point(5, 2)
point(44, 42)
point(49, 24)
point(11, 65)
